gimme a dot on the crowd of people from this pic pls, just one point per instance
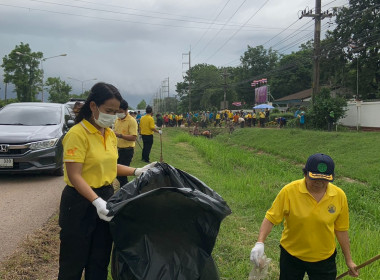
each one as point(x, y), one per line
point(100, 147)
point(217, 119)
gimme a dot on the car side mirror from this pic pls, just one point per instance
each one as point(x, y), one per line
point(70, 123)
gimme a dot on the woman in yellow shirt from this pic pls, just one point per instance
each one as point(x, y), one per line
point(90, 157)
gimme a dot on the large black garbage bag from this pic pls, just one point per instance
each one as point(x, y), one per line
point(165, 227)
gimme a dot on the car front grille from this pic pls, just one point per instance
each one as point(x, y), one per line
point(13, 149)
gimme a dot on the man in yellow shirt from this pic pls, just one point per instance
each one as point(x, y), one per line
point(217, 119)
point(262, 118)
point(126, 132)
point(147, 128)
point(314, 212)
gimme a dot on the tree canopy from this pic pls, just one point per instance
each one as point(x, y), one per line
point(141, 105)
point(59, 91)
point(21, 68)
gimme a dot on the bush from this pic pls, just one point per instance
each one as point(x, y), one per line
point(8, 101)
point(287, 116)
point(317, 116)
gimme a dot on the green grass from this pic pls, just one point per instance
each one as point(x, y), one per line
point(356, 154)
point(249, 167)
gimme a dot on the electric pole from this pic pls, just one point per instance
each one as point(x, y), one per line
point(165, 89)
point(225, 75)
point(318, 16)
point(189, 94)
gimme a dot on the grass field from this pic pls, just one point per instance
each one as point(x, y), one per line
point(249, 167)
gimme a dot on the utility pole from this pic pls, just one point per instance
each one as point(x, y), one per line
point(225, 75)
point(165, 89)
point(318, 16)
point(189, 95)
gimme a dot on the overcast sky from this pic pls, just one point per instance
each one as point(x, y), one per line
point(136, 45)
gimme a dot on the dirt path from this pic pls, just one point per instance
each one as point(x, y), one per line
point(26, 203)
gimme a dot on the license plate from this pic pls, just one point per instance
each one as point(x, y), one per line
point(6, 162)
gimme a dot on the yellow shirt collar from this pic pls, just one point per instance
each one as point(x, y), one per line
point(92, 129)
point(330, 191)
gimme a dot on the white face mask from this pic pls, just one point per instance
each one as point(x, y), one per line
point(120, 115)
point(105, 120)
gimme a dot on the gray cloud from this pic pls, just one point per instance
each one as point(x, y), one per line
point(136, 57)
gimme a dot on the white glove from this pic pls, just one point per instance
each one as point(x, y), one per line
point(160, 131)
point(256, 253)
point(101, 208)
point(139, 171)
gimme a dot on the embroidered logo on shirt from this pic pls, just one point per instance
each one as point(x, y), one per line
point(71, 152)
point(331, 208)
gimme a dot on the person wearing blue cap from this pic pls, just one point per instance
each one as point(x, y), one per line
point(314, 212)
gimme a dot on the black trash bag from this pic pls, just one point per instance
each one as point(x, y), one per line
point(165, 227)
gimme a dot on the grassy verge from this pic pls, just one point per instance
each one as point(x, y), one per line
point(249, 180)
point(37, 257)
point(247, 169)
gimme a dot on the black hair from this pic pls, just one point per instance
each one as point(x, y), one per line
point(124, 105)
point(99, 93)
point(148, 109)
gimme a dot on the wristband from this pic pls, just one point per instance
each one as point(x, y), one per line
point(134, 172)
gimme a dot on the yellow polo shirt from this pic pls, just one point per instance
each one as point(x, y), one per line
point(309, 225)
point(147, 125)
point(85, 144)
point(126, 126)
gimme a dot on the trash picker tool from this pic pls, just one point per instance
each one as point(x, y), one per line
point(360, 266)
point(138, 143)
point(161, 158)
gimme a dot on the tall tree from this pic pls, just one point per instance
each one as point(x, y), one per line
point(357, 33)
point(293, 73)
point(83, 95)
point(59, 91)
point(256, 63)
point(141, 105)
point(21, 68)
point(206, 88)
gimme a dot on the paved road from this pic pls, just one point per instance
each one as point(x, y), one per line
point(26, 203)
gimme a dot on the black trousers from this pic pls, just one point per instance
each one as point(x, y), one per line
point(125, 158)
point(292, 268)
point(148, 143)
point(86, 240)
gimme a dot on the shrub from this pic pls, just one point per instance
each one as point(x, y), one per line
point(287, 116)
point(317, 116)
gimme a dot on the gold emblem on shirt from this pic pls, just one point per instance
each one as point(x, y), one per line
point(331, 208)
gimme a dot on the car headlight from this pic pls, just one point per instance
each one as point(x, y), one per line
point(45, 144)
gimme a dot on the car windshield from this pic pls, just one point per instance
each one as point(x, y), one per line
point(30, 115)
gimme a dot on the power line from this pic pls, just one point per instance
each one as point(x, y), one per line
point(233, 35)
point(287, 28)
point(211, 23)
point(128, 21)
point(175, 15)
point(102, 18)
point(220, 29)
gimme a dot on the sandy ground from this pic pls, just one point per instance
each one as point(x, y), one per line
point(26, 203)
